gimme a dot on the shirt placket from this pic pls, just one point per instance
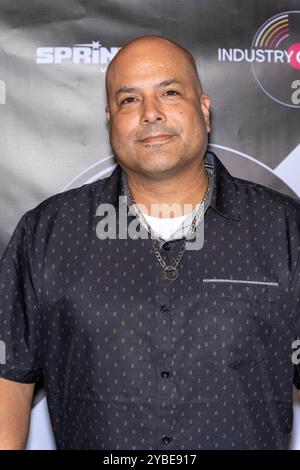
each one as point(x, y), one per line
point(164, 349)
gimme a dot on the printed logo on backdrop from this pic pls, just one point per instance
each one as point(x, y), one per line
point(91, 54)
point(275, 58)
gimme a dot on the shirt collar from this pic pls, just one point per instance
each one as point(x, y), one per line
point(224, 198)
point(183, 229)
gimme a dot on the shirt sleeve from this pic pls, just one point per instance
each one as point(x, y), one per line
point(21, 357)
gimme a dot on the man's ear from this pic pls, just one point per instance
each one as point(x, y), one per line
point(205, 105)
point(107, 112)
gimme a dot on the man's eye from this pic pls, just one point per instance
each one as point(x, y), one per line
point(130, 99)
point(171, 92)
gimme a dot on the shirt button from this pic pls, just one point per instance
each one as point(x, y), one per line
point(165, 374)
point(164, 308)
point(166, 246)
point(166, 440)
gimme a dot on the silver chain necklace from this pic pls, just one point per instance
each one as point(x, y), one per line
point(170, 272)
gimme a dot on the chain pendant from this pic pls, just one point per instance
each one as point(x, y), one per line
point(169, 273)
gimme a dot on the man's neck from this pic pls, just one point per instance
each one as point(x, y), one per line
point(171, 197)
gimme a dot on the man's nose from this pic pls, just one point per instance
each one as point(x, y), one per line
point(151, 112)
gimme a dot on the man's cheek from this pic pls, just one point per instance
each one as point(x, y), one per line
point(123, 126)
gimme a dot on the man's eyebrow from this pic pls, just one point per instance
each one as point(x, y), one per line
point(125, 89)
point(169, 82)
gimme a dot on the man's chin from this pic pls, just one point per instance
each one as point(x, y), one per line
point(159, 171)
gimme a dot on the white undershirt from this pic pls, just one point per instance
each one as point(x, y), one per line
point(166, 226)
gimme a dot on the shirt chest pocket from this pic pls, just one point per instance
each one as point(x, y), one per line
point(238, 322)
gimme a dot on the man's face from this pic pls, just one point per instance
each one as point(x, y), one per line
point(158, 120)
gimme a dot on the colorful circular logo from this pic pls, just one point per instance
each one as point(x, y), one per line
point(276, 68)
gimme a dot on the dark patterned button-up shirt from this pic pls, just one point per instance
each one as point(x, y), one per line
point(132, 361)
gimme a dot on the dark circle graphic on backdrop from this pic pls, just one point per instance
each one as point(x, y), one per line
point(276, 68)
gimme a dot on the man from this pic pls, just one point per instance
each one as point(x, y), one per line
point(179, 337)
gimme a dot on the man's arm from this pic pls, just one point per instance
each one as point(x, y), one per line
point(15, 409)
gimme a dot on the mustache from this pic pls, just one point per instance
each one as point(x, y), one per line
point(155, 131)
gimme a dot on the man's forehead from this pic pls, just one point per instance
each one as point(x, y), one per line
point(147, 69)
point(150, 58)
point(147, 62)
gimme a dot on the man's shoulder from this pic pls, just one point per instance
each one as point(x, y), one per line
point(69, 202)
point(256, 194)
point(249, 195)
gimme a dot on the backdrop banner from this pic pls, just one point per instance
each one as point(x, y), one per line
point(53, 131)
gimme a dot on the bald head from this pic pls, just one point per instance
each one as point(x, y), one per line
point(141, 49)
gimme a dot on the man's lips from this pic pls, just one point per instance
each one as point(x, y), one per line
point(156, 138)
